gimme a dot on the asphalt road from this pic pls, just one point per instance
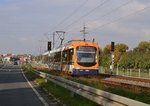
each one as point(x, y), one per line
point(14, 89)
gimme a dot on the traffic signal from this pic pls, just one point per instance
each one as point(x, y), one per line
point(49, 45)
point(112, 46)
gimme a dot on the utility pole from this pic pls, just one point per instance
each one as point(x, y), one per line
point(84, 32)
point(53, 40)
point(40, 55)
point(40, 50)
point(46, 36)
point(61, 36)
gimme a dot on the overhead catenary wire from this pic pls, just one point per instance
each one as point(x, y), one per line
point(82, 16)
point(115, 9)
point(120, 19)
point(69, 16)
point(110, 12)
point(89, 12)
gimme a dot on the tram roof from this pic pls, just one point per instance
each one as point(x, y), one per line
point(65, 46)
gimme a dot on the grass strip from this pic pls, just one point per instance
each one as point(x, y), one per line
point(63, 95)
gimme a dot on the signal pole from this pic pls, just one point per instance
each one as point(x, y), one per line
point(112, 56)
point(84, 32)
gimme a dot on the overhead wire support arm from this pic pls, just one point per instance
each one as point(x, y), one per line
point(61, 36)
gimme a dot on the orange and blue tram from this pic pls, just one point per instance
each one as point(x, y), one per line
point(77, 57)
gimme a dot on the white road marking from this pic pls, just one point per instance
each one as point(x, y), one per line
point(35, 91)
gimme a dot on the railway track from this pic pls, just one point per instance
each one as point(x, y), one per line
point(93, 94)
point(129, 83)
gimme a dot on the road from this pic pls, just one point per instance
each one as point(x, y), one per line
point(14, 89)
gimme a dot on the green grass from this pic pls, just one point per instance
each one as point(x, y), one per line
point(139, 96)
point(142, 97)
point(65, 96)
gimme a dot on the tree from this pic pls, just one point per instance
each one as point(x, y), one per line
point(120, 49)
point(144, 61)
point(127, 60)
point(136, 58)
point(143, 46)
point(100, 56)
point(106, 56)
point(107, 49)
point(142, 52)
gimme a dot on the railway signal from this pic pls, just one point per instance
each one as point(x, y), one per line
point(49, 46)
point(112, 46)
point(112, 56)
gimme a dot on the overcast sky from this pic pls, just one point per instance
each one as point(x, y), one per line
point(25, 24)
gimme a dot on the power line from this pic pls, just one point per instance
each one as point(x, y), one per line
point(87, 13)
point(120, 18)
point(70, 15)
point(115, 9)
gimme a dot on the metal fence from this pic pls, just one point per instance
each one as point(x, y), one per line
point(141, 73)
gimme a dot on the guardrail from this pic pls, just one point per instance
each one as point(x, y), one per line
point(93, 94)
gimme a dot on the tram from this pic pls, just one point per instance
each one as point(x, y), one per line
point(77, 57)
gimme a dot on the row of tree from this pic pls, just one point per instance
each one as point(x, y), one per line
point(137, 58)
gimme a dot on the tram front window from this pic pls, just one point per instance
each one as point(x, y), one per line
point(86, 56)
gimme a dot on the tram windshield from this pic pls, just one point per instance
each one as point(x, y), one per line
point(86, 55)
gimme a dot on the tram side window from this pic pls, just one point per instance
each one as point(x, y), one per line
point(57, 56)
point(70, 55)
point(67, 56)
point(64, 55)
